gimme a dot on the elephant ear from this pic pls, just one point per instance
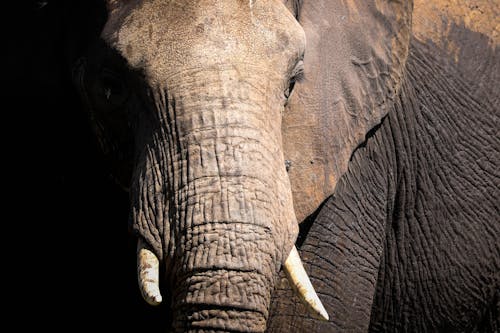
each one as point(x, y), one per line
point(355, 57)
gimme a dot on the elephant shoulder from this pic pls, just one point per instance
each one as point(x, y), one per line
point(464, 34)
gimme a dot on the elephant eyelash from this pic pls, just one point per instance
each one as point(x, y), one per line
point(299, 76)
point(298, 72)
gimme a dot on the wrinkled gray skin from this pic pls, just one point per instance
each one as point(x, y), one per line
point(409, 240)
point(191, 99)
point(199, 87)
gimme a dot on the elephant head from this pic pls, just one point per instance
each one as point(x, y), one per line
point(193, 102)
point(187, 97)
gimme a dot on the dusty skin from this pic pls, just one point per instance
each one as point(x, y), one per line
point(433, 20)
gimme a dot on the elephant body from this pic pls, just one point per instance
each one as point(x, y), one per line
point(382, 166)
point(426, 184)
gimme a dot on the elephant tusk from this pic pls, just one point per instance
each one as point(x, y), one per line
point(148, 273)
point(300, 282)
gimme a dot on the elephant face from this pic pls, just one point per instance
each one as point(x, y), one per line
point(189, 96)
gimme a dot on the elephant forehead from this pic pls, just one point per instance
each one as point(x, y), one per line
point(171, 35)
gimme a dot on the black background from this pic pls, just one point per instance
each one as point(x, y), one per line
point(69, 256)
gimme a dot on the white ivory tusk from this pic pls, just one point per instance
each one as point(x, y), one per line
point(300, 282)
point(148, 273)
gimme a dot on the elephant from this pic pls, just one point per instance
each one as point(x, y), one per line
point(257, 140)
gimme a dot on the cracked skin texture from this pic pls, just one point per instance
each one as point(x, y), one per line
point(467, 32)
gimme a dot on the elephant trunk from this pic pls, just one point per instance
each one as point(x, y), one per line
point(213, 201)
point(226, 278)
point(229, 248)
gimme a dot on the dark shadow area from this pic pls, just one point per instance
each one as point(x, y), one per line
point(75, 257)
point(306, 225)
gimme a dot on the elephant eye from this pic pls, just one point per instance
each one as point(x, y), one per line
point(297, 76)
point(112, 88)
